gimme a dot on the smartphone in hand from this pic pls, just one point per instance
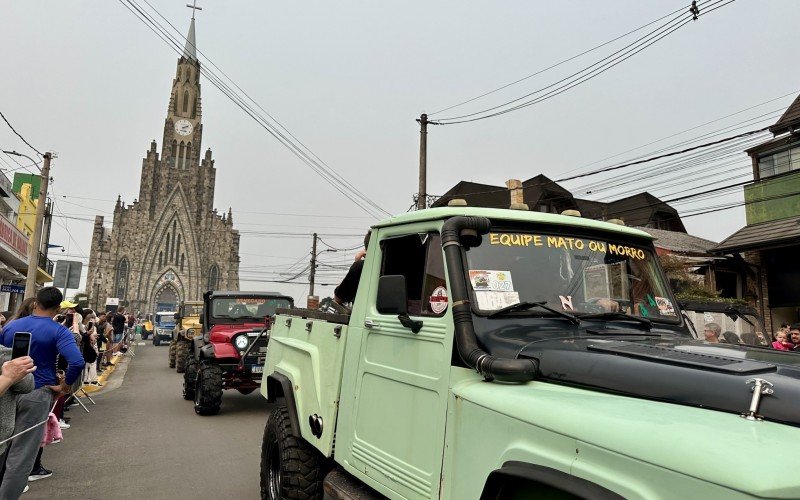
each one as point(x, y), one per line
point(22, 345)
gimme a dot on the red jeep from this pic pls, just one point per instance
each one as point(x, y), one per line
point(231, 351)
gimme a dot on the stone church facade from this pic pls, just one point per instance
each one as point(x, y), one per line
point(170, 244)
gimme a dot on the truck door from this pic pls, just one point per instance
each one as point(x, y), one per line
point(401, 385)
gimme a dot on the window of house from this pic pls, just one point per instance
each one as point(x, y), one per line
point(728, 284)
point(779, 162)
point(418, 257)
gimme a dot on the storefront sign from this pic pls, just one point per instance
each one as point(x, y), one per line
point(12, 288)
point(14, 238)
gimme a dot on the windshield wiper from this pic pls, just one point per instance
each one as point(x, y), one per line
point(522, 306)
point(619, 315)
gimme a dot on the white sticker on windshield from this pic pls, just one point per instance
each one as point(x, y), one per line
point(492, 301)
point(496, 281)
point(665, 307)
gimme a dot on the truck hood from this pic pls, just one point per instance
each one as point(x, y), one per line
point(675, 370)
point(223, 333)
point(698, 443)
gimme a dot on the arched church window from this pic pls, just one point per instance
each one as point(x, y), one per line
point(160, 259)
point(121, 280)
point(178, 248)
point(166, 249)
point(185, 101)
point(213, 277)
point(182, 259)
point(181, 154)
point(172, 161)
point(186, 161)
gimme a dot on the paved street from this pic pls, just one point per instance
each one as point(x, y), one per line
point(142, 440)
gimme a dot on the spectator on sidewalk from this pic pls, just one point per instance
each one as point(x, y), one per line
point(118, 322)
point(15, 379)
point(25, 309)
point(48, 340)
point(90, 349)
point(794, 336)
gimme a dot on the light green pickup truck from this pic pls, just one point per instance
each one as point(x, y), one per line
point(514, 354)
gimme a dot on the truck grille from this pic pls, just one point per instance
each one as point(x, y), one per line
point(258, 352)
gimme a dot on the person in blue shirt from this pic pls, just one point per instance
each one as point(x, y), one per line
point(48, 340)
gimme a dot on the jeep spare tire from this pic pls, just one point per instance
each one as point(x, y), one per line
point(290, 467)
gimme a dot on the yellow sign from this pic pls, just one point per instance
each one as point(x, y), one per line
point(535, 240)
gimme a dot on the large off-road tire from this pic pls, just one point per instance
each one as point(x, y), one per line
point(290, 467)
point(172, 348)
point(208, 390)
point(180, 356)
point(190, 379)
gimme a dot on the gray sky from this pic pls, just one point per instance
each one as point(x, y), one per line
point(91, 82)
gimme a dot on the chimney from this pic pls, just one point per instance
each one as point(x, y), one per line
point(517, 194)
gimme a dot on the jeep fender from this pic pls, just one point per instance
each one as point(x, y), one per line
point(530, 475)
point(207, 351)
point(279, 386)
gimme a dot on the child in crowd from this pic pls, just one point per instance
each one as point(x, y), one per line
point(782, 342)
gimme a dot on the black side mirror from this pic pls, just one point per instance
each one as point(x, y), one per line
point(393, 299)
point(392, 294)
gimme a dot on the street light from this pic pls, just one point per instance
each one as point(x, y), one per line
point(20, 154)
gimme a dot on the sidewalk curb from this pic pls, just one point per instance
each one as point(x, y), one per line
point(104, 378)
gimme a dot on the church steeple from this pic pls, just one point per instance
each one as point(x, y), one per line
point(183, 126)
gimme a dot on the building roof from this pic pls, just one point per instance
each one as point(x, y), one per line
point(679, 242)
point(476, 194)
point(789, 119)
point(189, 51)
point(763, 235)
point(638, 210)
point(524, 216)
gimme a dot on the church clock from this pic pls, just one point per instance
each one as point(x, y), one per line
point(183, 127)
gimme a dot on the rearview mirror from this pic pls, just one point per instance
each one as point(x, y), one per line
point(392, 294)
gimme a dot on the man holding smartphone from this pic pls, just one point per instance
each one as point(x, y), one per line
point(48, 340)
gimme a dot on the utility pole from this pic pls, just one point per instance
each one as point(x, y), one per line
point(313, 299)
point(423, 162)
point(33, 250)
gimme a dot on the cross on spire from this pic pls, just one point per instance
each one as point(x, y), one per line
point(194, 7)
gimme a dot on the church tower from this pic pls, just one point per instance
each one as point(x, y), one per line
point(170, 244)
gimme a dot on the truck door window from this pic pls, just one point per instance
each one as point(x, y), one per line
point(418, 257)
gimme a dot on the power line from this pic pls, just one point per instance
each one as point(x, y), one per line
point(19, 135)
point(556, 64)
point(579, 77)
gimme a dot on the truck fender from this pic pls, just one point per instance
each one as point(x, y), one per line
point(197, 345)
point(521, 473)
point(207, 351)
point(279, 386)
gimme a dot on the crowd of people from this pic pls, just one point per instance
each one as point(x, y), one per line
point(69, 347)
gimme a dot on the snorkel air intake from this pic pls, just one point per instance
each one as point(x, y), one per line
point(467, 231)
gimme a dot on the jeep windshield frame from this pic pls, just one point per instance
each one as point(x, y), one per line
point(578, 271)
point(245, 308)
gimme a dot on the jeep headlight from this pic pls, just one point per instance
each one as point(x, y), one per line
point(241, 342)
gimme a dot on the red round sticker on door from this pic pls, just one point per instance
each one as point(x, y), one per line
point(438, 300)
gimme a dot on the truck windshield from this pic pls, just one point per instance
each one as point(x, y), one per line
point(191, 310)
point(247, 307)
point(579, 275)
point(730, 327)
point(165, 320)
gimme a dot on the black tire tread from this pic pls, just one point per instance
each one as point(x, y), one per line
point(181, 350)
point(190, 379)
point(171, 355)
point(303, 467)
point(210, 381)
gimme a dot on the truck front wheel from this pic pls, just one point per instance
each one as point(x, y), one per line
point(172, 348)
point(208, 390)
point(290, 467)
point(180, 356)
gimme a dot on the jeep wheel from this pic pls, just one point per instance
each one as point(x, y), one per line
point(172, 348)
point(208, 390)
point(190, 379)
point(290, 467)
point(181, 351)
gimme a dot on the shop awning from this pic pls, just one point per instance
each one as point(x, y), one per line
point(772, 234)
